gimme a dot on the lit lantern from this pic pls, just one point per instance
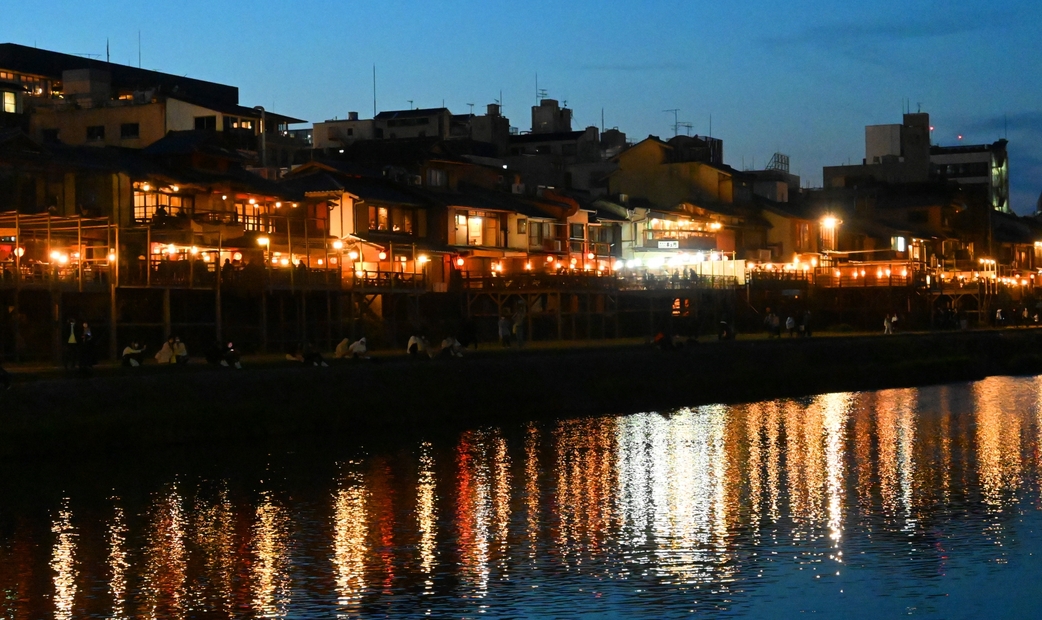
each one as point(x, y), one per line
point(382, 255)
point(549, 259)
point(278, 205)
point(590, 256)
point(321, 262)
point(423, 259)
point(459, 261)
point(353, 255)
point(237, 256)
point(338, 245)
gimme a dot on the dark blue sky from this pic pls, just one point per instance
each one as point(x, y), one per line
point(802, 77)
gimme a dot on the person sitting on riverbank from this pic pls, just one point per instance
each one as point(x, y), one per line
point(230, 357)
point(133, 355)
point(310, 356)
point(417, 346)
point(165, 355)
point(450, 347)
point(180, 351)
point(358, 349)
point(343, 349)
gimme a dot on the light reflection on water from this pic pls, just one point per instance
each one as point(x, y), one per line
point(922, 502)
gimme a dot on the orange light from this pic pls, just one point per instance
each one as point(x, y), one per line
point(549, 259)
point(460, 261)
point(590, 256)
point(382, 255)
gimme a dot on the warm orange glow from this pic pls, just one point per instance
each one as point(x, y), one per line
point(382, 255)
point(460, 261)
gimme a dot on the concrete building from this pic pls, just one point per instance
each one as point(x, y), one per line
point(82, 101)
point(903, 154)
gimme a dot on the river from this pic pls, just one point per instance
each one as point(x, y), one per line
point(921, 502)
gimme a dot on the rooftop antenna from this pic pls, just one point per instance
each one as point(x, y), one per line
point(374, 90)
point(471, 108)
point(676, 121)
point(107, 50)
point(138, 49)
point(410, 103)
point(602, 120)
point(687, 128)
point(919, 107)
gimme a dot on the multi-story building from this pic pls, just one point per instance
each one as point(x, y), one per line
point(83, 101)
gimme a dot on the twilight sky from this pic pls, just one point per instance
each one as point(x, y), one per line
point(801, 77)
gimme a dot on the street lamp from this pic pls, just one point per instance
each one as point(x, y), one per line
point(266, 243)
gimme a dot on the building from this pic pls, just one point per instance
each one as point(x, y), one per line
point(903, 154)
point(83, 101)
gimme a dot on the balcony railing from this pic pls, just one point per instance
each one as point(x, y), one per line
point(603, 282)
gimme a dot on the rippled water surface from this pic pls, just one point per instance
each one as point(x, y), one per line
point(920, 502)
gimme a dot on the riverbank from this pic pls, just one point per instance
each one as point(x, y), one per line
point(117, 409)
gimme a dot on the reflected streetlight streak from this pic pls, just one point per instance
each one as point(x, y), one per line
point(165, 563)
point(270, 569)
point(214, 528)
point(63, 562)
point(117, 560)
point(350, 530)
point(427, 515)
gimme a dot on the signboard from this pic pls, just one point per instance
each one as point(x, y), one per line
point(669, 245)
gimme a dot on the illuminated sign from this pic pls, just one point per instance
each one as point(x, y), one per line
point(669, 245)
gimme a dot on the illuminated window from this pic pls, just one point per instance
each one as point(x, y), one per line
point(10, 103)
point(802, 236)
point(146, 204)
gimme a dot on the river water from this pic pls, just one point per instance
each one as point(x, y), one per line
point(921, 502)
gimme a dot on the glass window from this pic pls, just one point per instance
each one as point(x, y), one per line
point(129, 130)
point(522, 226)
point(475, 225)
point(96, 132)
point(206, 122)
point(9, 103)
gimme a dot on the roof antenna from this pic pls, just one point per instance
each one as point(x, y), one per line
point(138, 49)
point(374, 90)
point(107, 51)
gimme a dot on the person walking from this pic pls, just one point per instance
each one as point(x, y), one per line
point(790, 326)
point(887, 326)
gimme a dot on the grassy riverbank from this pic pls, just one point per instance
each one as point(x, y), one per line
point(119, 409)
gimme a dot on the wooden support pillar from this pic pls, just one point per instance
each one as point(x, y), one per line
point(560, 319)
point(264, 321)
point(329, 320)
point(113, 321)
point(167, 326)
point(56, 325)
point(218, 318)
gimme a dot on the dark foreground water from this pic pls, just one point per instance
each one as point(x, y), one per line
point(921, 502)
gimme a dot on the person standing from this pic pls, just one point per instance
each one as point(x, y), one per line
point(504, 331)
point(72, 342)
point(887, 327)
point(86, 349)
point(519, 327)
point(790, 326)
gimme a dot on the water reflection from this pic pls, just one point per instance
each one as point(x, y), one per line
point(350, 532)
point(63, 562)
point(706, 508)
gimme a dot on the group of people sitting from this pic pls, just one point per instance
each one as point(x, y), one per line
point(307, 355)
point(419, 345)
point(173, 351)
